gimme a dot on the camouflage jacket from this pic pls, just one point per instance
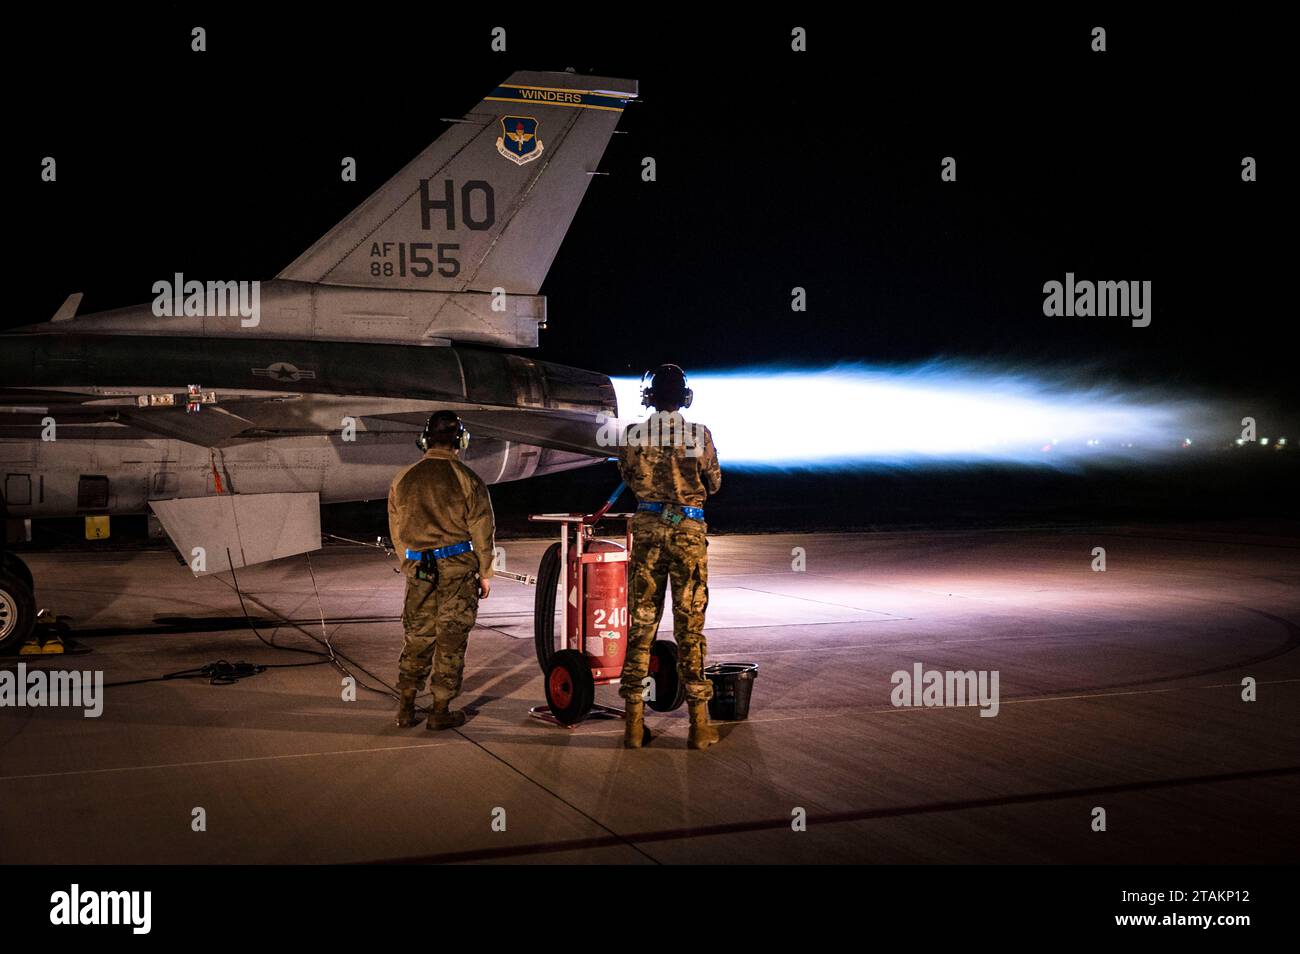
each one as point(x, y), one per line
point(667, 459)
point(436, 502)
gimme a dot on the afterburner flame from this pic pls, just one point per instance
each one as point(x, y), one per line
point(936, 413)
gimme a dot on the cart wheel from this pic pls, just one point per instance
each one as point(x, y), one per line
point(548, 579)
point(669, 692)
point(570, 690)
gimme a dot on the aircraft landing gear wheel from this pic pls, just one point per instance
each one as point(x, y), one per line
point(18, 568)
point(17, 611)
point(669, 691)
point(570, 689)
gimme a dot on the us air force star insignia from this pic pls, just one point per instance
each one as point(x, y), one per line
point(519, 140)
point(283, 371)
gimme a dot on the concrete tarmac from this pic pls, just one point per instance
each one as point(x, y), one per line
point(1118, 692)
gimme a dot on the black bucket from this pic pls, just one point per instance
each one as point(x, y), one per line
point(732, 685)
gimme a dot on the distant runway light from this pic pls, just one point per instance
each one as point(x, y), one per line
point(936, 413)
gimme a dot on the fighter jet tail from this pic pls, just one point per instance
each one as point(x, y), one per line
point(486, 205)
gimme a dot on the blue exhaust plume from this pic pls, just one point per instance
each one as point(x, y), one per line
point(940, 413)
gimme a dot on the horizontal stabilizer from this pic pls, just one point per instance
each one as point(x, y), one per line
point(212, 533)
point(572, 431)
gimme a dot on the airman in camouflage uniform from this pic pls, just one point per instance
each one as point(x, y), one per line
point(668, 461)
point(438, 502)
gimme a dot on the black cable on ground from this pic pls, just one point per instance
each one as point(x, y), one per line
point(333, 656)
point(219, 673)
point(248, 619)
point(223, 673)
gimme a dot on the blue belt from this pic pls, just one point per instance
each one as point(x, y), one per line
point(695, 513)
point(442, 552)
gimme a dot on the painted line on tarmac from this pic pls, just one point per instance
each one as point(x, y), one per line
point(253, 758)
point(886, 710)
point(771, 824)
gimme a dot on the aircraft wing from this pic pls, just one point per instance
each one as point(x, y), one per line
point(571, 431)
point(22, 412)
point(210, 428)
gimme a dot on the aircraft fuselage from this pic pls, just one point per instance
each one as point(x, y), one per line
point(333, 418)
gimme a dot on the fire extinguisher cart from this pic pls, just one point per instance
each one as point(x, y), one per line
point(583, 644)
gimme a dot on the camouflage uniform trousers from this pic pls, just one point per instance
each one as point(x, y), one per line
point(661, 553)
point(437, 619)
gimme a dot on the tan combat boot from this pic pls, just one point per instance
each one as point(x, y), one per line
point(406, 709)
point(443, 718)
point(702, 734)
point(635, 734)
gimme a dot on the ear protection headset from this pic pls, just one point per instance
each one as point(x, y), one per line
point(443, 425)
point(649, 397)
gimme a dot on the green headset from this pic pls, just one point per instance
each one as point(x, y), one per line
point(443, 426)
point(670, 375)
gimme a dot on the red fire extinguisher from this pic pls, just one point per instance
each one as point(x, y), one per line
point(592, 593)
point(600, 627)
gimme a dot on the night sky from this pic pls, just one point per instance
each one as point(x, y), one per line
point(775, 169)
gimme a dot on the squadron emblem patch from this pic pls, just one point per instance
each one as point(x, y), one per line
point(519, 141)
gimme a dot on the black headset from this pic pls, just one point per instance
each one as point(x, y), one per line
point(459, 437)
point(648, 396)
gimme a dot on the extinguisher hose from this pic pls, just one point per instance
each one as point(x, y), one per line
point(618, 491)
